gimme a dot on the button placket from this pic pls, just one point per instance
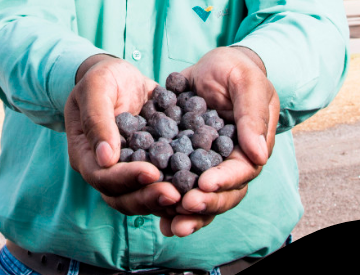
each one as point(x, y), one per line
point(139, 221)
point(140, 240)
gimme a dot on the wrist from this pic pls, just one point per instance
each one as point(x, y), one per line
point(253, 56)
point(90, 62)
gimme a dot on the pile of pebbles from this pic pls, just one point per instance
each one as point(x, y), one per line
point(177, 133)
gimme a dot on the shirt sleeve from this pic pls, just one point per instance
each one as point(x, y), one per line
point(304, 47)
point(40, 53)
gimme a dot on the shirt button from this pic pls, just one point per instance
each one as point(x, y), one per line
point(139, 221)
point(136, 55)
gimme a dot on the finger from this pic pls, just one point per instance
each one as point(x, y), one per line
point(187, 73)
point(120, 178)
point(252, 91)
point(273, 121)
point(185, 225)
point(147, 200)
point(96, 96)
point(165, 227)
point(212, 203)
point(232, 173)
point(150, 86)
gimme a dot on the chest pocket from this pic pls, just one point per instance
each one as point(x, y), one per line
point(193, 28)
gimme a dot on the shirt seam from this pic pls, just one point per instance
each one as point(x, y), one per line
point(48, 81)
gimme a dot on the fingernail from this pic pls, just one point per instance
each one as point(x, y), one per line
point(166, 201)
point(263, 148)
point(104, 153)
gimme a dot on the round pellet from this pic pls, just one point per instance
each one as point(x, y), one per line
point(140, 140)
point(177, 83)
point(200, 161)
point(125, 155)
point(184, 181)
point(223, 145)
point(192, 121)
point(127, 124)
point(182, 145)
point(180, 161)
point(160, 154)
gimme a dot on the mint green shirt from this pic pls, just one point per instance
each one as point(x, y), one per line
point(47, 207)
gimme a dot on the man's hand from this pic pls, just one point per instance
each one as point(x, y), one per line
point(107, 86)
point(232, 81)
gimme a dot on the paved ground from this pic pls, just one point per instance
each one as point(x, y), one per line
point(329, 166)
point(327, 147)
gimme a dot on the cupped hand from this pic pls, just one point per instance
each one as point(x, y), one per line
point(105, 87)
point(233, 81)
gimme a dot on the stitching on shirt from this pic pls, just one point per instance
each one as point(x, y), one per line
point(48, 81)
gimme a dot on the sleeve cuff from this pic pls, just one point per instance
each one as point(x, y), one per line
point(273, 64)
point(63, 72)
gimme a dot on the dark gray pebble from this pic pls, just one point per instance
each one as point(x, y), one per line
point(177, 83)
point(140, 140)
point(180, 161)
point(140, 155)
point(223, 145)
point(167, 140)
point(191, 121)
point(183, 98)
point(187, 133)
point(164, 126)
point(195, 104)
point(182, 145)
point(142, 122)
point(175, 113)
point(202, 138)
point(125, 155)
point(215, 122)
point(160, 154)
point(148, 109)
point(184, 181)
point(200, 161)
point(127, 124)
point(123, 142)
point(228, 130)
point(210, 113)
point(151, 131)
point(164, 99)
point(216, 158)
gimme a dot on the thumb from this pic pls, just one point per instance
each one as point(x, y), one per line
point(96, 97)
point(187, 73)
